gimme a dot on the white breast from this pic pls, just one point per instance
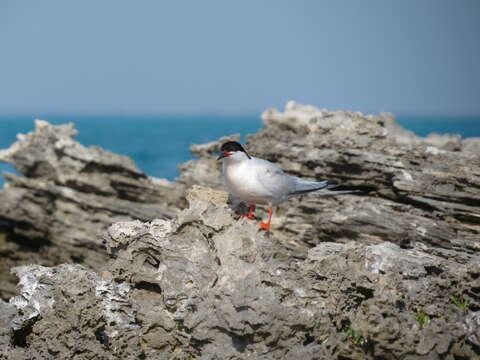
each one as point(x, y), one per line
point(242, 182)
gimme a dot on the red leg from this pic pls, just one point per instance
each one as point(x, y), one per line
point(266, 226)
point(251, 210)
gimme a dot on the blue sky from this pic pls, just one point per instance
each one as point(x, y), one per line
point(152, 56)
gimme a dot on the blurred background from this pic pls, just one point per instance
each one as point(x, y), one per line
point(147, 78)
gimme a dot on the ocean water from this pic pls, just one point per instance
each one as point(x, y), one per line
point(159, 143)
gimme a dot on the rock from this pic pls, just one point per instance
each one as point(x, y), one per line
point(391, 273)
point(70, 312)
point(205, 286)
point(203, 193)
point(471, 146)
point(68, 197)
point(420, 190)
point(7, 335)
point(444, 142)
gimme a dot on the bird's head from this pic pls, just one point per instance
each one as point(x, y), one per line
point(233, 150)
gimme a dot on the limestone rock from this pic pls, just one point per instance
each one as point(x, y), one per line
point(206, 286)
point(70, 312)
point(417, 190)
point(68, 197)
point(391, 273)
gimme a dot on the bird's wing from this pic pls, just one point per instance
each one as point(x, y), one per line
point(304, 187)
point(273, 179)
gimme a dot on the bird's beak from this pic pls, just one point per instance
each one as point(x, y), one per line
point(223, 154)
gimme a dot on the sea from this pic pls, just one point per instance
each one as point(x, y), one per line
point(159, 143)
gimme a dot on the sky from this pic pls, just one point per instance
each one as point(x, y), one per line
point(152, 56)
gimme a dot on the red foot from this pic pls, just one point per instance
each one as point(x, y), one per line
point(264, 226)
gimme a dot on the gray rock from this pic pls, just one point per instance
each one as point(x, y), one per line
point(205, 286)
point(391, 274)
point(67, 198)
point(70, 312)
point(7, 335)
point(422, 190)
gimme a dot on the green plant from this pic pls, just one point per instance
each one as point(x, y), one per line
point(461, 303)
point(356, 337)
point(422, 318)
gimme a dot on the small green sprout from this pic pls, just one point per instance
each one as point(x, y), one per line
point(356, 337)
point(461, 303)
point(422, 318)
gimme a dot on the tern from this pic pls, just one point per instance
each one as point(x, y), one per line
point(258, 181)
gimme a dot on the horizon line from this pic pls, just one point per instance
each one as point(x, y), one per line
point(36, 114)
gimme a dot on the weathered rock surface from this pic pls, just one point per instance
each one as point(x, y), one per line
point(390, 274)
point(421, 193)
point(70, 312)
point(203, 286)
point(67, 198)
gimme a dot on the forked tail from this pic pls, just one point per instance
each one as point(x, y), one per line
point(303, 187)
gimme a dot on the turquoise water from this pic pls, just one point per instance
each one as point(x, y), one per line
point(465, 126)
point(156, 143)
point(159, 143)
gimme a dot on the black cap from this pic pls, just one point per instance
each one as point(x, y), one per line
point(231, 146)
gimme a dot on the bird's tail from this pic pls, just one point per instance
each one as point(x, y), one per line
point(303, 187)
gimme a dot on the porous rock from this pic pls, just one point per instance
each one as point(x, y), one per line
point(70, 312)
point(416, 190)
point(67, 197)
point(391, 273)
point(204, 286)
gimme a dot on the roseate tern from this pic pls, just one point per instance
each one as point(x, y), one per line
point(259, 181)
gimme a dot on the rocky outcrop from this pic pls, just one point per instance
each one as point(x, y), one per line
point(390, 273)
point(417, 192)
point(68, 312)
point(67, 198)
point(205, 286)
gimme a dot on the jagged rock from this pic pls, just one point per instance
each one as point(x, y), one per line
point(206, 286)
point(68, 196)
point(422, 190)
point(394, 273)
point(70, 312)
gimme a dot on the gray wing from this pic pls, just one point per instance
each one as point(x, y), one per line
point(274, 180)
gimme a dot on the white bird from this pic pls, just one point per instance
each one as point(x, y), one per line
point(259, 181)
